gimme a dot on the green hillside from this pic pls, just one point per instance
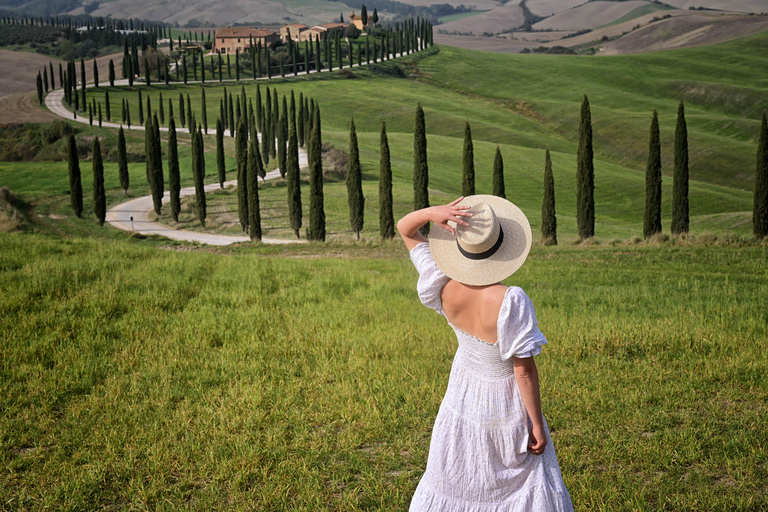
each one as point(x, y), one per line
point(529, 103)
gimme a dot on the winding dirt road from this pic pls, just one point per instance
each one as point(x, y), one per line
point(133, 215)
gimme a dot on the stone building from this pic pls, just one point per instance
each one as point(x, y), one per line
point(232, 39)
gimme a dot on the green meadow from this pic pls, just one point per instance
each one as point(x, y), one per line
point(140, 373)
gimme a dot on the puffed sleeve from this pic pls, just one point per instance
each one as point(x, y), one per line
point(517, 329)
point(431, 279)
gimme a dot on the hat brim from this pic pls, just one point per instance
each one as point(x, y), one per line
point(503, 263)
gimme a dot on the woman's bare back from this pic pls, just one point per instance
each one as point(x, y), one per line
point(474, 309)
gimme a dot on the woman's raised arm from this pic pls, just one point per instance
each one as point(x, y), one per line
point(408, 226)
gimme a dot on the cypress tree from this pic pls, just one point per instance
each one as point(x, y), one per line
point(273, 128)
point(231, 116)
point(548, 218)
point(95, 74)
point(111, 73)
point(498, 175)
point(252, 177)
point(680, 176)
point(141, 109)
point(159, 185)
point(300, 122)
point(122, 162)
point(147, 78)
point(39, 88)
point(75, 185)
point(316, 200)
point(585, 176)
point(82, 83)
point(259, 110)
point(220, 163)
point(355, 197)
point(652, 217)
point(281, 140)
point(420, 167)
point(107, 106)
point(182, 112)
point(127, 114)
point(205, 113)
point(241, 149)
point(386, 216)
point(760, 208)
point(293, 180)
point(468, 174)
point(265, 137)
point(99, 196)
point(170, 108)
point(161, 109)
point(190, 121)
point(99, 115)
point(149, 108)
point(198, 169)
point(174, 174)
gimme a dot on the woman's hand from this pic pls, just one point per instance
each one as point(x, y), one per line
point(537, 440)
point(450, 212)
point(408, 226)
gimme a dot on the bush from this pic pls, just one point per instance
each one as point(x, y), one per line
point(56, 130)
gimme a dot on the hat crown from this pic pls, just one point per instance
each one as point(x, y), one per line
point(482, 232)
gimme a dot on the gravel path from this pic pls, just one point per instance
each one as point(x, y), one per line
point(133, 215)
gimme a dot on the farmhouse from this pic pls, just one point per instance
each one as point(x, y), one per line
point(358, 20)
point(321, 31)
point(230, 40)
point(293, 29)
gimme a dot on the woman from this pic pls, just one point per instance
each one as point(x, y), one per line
point(490, 449)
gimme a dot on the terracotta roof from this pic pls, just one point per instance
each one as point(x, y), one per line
point(295, 25)
point(331, 26)
point(245, 32)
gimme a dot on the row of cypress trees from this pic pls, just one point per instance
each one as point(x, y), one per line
point(250, 168)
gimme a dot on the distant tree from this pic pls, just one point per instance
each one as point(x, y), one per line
point(386, 216)
point(652, 217)
point(241, 152)
point(680, 176)
point(198, 169)
point(147, 77)
point(99, 196)
point(174, 174)
point(301, 121)
point(39, 88)
point(161, 109)
point(82, 84)
point(220, 162)
point(107, 106)
point(141, 108)
point(585, 176)
point(158, 182)
point(282, 141)
point(341, 18)
point(364, 15)
point(375, 16)
point(75, 185)
point(355, 198)
point(122, 162)
point(420, 167)
point(266, 127)
point(760, 209)
point(252, 178)
point(182, 114)
point(99, 115)
point(127, 113)
point(95, 74)
point(468, 174)
point(45, 79)
point(548, 217)
point(149, 108)
point(498, 175)
point(293, 180)
point(205, 112)
point(352, 32)
point(316, 199)
point(111, 73)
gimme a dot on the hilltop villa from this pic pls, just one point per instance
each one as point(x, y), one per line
point(293, 29)
point(321, 31)
point(230, 40)
point(358, 21)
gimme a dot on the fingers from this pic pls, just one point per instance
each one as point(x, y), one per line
point(537, 448)
point(455, 201)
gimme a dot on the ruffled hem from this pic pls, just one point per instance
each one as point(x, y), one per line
point(538, 499)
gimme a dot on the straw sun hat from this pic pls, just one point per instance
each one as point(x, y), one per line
point(490, 249)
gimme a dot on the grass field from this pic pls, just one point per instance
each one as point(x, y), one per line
point(146, 379)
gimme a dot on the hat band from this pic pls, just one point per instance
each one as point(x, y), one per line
point(485, 254)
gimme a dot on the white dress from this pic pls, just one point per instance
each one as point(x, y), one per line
point(478, 458)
